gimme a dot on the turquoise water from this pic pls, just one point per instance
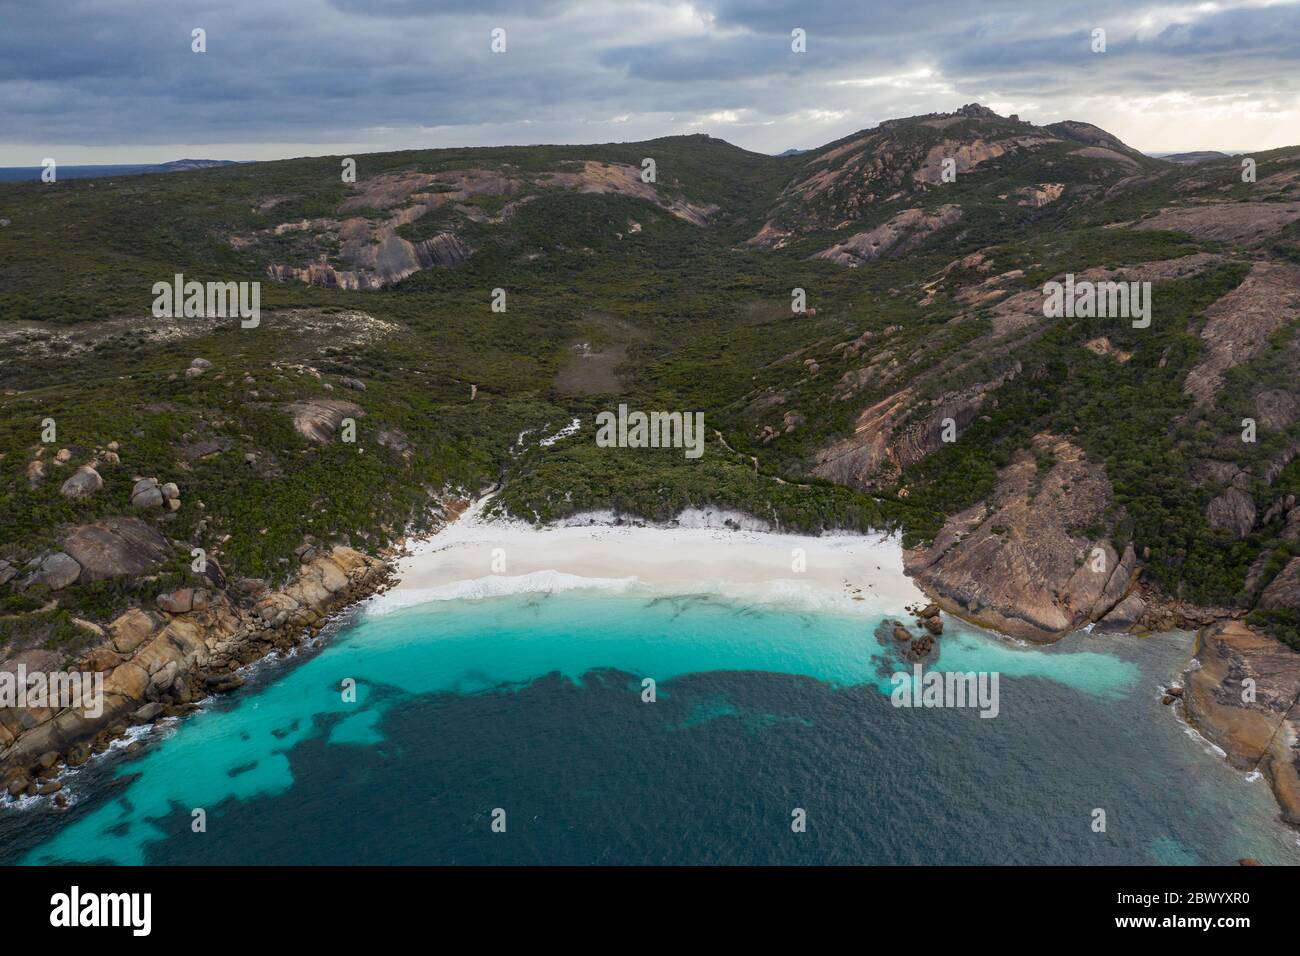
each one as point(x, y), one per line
point(532, 703)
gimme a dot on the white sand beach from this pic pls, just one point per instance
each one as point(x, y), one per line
point(479, 557)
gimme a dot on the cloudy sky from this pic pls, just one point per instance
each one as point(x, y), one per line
point(116, 81)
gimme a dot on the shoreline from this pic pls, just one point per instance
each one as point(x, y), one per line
point(704, 551)
point(476, 556)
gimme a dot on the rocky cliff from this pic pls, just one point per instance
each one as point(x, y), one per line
point(1241, 692)
point(1027, 561)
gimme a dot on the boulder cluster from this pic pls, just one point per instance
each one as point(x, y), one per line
point(148, 493)
point(917, 648)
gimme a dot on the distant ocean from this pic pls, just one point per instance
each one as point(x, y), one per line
point(532, 705)
point(9, 174)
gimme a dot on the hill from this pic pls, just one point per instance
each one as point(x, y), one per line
point(923, 247)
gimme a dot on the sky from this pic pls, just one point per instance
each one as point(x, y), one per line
point(118, 81)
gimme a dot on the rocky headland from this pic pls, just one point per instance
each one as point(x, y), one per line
point(159, 662)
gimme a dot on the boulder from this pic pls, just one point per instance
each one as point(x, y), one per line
point(59, 570)
point(170, 491)
point(7, 571)
point(179, 601)
point(319, 419)
point(85, 482)
point(201, 363)
point(1123, 615)
point(116, 547)
point(147, 495)
point(165, 676)
point(149, 712)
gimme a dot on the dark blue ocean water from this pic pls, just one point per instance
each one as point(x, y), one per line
point(13, 174)
point(532, 704)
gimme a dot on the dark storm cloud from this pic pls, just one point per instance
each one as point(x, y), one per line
point(333, 71)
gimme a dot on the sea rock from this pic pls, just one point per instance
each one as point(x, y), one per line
point(83, 483)
point(901, 633)
point(934, 625)
point(149, 712)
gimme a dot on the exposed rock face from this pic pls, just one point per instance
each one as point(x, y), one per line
point(966, 156)
point(113, 547)
point(1110, 155)
point(904, 231)
point(1025, 309)
point(1232, 511)
point(1041, 195)
point(84, 483)
point(1017, 563)
point(374, 255)
point(319, 419)
point(378, 263)
point(877, 450)
point(1263, 733)
point(1237, 326)
point(1276, 409)
point(1283, 593)
point(1228, 221)
point(174, 658)
point(624, 180)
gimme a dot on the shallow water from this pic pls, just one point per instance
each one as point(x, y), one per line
point(533, 704)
